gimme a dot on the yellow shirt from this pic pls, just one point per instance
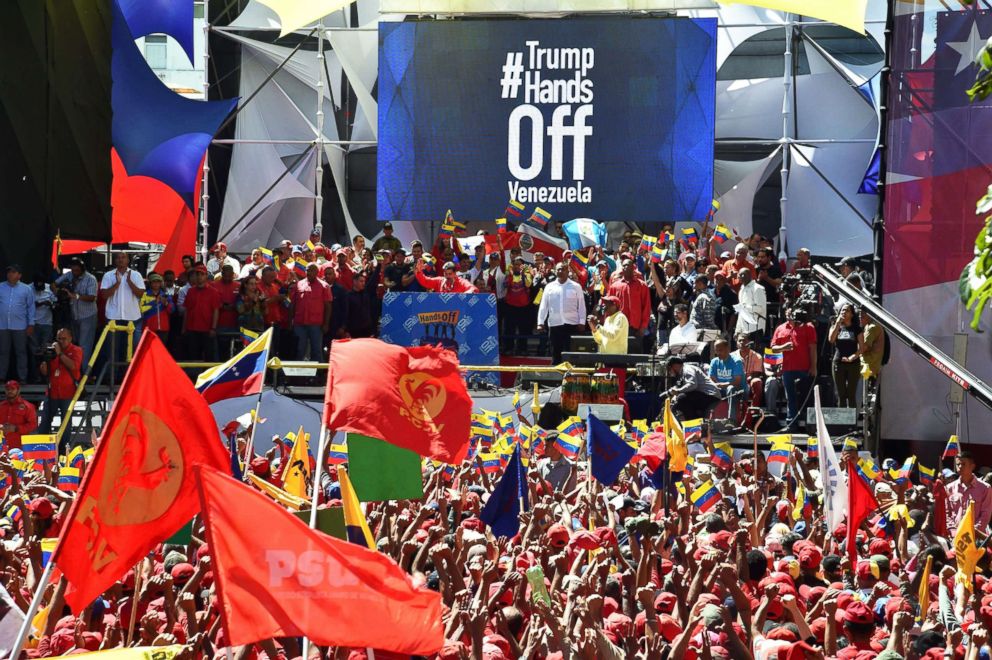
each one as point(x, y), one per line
point(611, 335)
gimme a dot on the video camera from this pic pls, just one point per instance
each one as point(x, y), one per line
point(803, 294)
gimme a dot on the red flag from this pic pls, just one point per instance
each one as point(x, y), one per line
point(940, 509)
point(414, 398)
point(861, 503)
point(654, 450)
point(293, 581)
point(138, 490)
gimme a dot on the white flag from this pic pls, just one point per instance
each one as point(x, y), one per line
point(834, 488)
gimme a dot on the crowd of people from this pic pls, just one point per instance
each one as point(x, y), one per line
point(725, 559)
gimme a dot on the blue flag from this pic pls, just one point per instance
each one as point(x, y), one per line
point(608, 452)
point(232, 443)
point(502, 511)
point(583, 233)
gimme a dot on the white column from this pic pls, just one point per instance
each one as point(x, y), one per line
point(319, 178)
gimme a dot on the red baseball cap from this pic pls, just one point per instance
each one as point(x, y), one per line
point(858, 614)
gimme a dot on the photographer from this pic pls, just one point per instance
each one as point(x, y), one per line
point(62, 364)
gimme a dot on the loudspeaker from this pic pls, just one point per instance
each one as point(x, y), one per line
point(526, 379)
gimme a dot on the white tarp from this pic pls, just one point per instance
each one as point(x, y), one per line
point(735, 184)
point(534, 6)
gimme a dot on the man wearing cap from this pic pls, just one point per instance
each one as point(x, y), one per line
point(517, 304)
point(634, 300)
point(387, 241)
point(310, 307)
point(562, 310)
point(63, 373)
point(450, 283)
point(611, 334)
point(17, 416)
point(16, 322)
point(82, 289)
point(122, 288)
point(200, 321)
point(694, 394)
point(220, 259)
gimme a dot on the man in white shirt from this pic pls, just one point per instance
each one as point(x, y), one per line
point(683, 332)
point(220, 259)
point(122, 289)
point(562, 310)
point(753, 308)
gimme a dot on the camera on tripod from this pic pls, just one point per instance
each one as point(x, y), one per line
point(802, 294)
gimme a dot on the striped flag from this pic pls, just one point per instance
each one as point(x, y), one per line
point(47, 547)
point(517, 406)
point(781, 447)
point(693, 429)
point(500, 225)
point(648, 242)
point(337, 454)
point(354, 519)
point(580, 259)
point(669, 237)
point(568, 445)
point(952, 449)
point(39, 448)
point(514, 208)
point(772, 358)
point(721, 234)
point(926, 474)
point(572, 426)
point(850, 444)
point(689, 234)
point(491, 463)
point(705, 497)
point(869, 469)
point(903, 474)
point(723, 455)
point(657, 253)
point(300, 267)
point(539, 218)
point(248, 336)
point(267, 256)
point(812, 447)
point(69, 479)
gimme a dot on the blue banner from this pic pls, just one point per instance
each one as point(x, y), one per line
point(463, 322)
point(610, 118)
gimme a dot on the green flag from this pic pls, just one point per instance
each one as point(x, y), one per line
point(381, 471)
point(183, 536)
point(329, 521)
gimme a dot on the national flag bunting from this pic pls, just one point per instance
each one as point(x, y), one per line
point(705, 497)
point(648, 242)
point(242, 375)
point(354, 520)
point(952, 449)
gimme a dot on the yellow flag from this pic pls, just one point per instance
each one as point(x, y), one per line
point(849, 13)
point(678, 450)
point(924, 593)
point(966, 553)
point(137, 653)
point(282, 497)
point(297, 471)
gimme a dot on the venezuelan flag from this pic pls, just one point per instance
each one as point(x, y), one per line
point(690, 466)
point(540, 218)
point(781, 446)
point(447, 231)
point(47, 548)
point(13, 514)
point(517, 406)
point(248, 336)
point(310, 246)
point(39, 448)
point(690, 235)
point(812, 447)
point(68, 479)
point(772, 358)
point(952, 449)
point(669, 237)
point(300, 267)
point(267, 256)
point(490, 463)
point(721, 234)
point(723, 455)
point(639, 430)
point(926, 474)
point(337, 454)
point(657, 253)
point(850, 444)
point(243, 374)
point(648, 242)
point(572, 426)
point(354, 519)
point(568, 445)
point(76, 457)
point(580, 259)
point(692, 429)
point(514, 208)
point(500, 225)
point(481, 426)
point(868, 469)
point(705, 497)
point(903, 474)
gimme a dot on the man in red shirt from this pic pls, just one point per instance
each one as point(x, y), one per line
point(227, 320)
point(797, 344)
point(200, 321)
point(63, 372)
point(516, 304)
point(450, 283)
point(635, 299)
point(276, 301)
point(310, 306)
point(17, 416)
point(733, 267)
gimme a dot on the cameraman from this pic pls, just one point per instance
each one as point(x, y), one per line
point(63, 362)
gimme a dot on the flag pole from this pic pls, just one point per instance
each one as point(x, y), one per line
point(134, 600)
point(250, 446)
point(318, 470)
point(39, 591)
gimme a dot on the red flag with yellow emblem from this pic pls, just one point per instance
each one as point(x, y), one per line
point(414, 398)
point(140, 487)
